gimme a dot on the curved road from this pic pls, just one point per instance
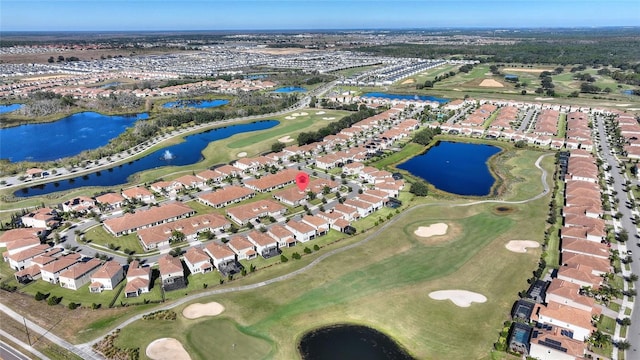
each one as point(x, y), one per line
point(545, 191)
point(85, 351)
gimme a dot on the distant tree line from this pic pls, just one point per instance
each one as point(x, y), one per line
point(617, 52)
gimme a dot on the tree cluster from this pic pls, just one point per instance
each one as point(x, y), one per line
point(424, 137)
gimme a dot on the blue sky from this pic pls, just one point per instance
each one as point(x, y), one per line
point(114, 15)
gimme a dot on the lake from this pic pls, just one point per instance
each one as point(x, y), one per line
point(349, 342)
point(457, 168)
point(9, 108)
point(185, 153)
point(405, 97)
point(290, 89)
point(198, 104)
point(66, 137)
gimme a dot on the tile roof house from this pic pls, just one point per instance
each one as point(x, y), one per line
point(79, 274)
point(242, 247)
point(273, 181)
point(110, 200)
point(51, 271)
point(161, 235)
point(171, 273)
point(566, 293)
point(283, 236)
point(138, 280)
point(301, 231)
point(107, 277)
point(220, 254)
point(197, 261)
point(153, 216)
point(245, 213)
point(41, 218)
point(12, 235)
point(81, 204)
point(226, 196)
point(264, 244)
point(291, 196)
point(555, 343)
point(139, 193)
point(578, 321)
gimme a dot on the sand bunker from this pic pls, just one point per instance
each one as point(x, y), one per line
point(242, 154)
point(197, 310)
point(461, 298)
point(533, 71)
point(543, 99)
point(328, 118)
point(432, 230)
point(296, 114)
point(623, 105)
point(320, 113)
point(167, 349)
point(286, 139)
point(304, 114)
point(408, 81)
point(290, 117)
point(490, 83)
point(520, 246)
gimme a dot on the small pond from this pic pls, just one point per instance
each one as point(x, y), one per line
point(9, 108)
point(290, 89)
point(405, 97)
point(66, 137)
point(457, 168)
point(185, 153)
point(198, 104)
point(349, 342)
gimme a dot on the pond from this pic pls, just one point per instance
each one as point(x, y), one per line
point(290, 89)
point(457, 168)
point(9, 108)
point(198, 104)
point(185, 153)
point(405, 97)
point(66, 137)
point(349, 342)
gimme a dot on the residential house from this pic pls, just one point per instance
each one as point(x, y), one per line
point(301, 231)
point(284, 237)
point(51, 271)
point(197, 261)
point(171, 273)
point(161, 235)
point(264, 244)
point(80, 204)
point(107, 277)
point(129, 223)
point(226, 196)
point(79, 274)
point(41, 218)
point(242, 247)
point(140, 194)
point(291, 196)
point(13, 235)
point(243, 214)
point(138, 280)
point(110, 201)
point(220, 254)
point(578, 322)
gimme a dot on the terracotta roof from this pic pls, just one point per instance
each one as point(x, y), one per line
point(61, 263)
point(281, 178)
point(109, 198)
point(169, 264)
point(189, 227)
point(218, 251)
point(260, 239)
point(196, 255)
point(569, 291)
point(81, 269)
point(142, 218)
point(279, 232)
point(136, 192)
point(226, 194)
point(300, 227)
point(567, 314)
point(135, 270)
point(255, 209)
point(21, 233)
point(108, 270)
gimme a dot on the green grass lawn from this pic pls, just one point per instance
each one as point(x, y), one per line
point(375, 284)
point(98, 235)
point(606, 324)
point(80, 296)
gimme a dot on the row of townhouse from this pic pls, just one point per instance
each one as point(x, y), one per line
point(546, 122)
point(630, 131)
point(562, 313)
point(155, 215)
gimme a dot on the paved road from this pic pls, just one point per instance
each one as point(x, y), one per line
point(524, 125)
point(9, 353)
point(82, 351)
point(86, 352)
point(63, 173)
point(625, 222)
point(24, 345)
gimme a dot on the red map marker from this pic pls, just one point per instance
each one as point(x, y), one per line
point(302, 180)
